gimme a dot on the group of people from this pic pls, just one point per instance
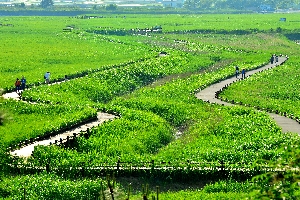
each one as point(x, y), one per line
point(20, 84)
point(274, 58)
point(237, 72)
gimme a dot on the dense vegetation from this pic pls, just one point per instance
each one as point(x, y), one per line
point(161, 120)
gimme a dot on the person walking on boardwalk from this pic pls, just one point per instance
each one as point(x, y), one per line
point(272, 59)
point(18, 85)
point(276, 58)
point(23, 83)
point(237, 71)
point(243, 73)
point(47, 77)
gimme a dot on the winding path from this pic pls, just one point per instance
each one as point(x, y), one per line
point(208, 94)
point(27, 150)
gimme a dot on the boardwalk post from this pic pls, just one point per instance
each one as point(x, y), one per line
point(188, 165)
point(83, 169)
point(87, 135)
point(68, 141)
point(48, 167)
point(152, 166)
point(157, 192)
point(222, 168)
point(128, 192)
point(24, 194)
point(118, 165)
point(102, 191)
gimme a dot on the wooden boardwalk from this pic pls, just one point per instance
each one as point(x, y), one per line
point(27, 150)
point(208, 94)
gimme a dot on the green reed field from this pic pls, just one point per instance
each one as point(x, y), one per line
point(160, 118)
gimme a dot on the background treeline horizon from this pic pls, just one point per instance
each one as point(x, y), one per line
point(189, 6)
point(241, 4)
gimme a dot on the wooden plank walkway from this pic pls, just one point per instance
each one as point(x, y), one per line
point(208, 94)
point(27, 150)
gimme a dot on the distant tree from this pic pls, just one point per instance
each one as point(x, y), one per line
point(46, 3)
point(199, 4)
point(111, 7)
point(238, 4)
point(190, 4)
point(22, 5)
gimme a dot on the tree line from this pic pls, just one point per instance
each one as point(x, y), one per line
point(241, 4)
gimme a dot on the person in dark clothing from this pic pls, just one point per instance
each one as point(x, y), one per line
point(272, 59)
point(243, 73)
point(23, 83)
point(18, 85)
point(237, 71)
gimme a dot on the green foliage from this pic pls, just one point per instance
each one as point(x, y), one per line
point(280, 184)
point(105, 85)
point(47, 118)
point(228, 186)
point(49, 186)
point(161, 119)
point(135, 136)
point(43, 46)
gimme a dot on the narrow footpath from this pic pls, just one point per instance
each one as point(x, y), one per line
point(208, 94)
point(27, 150)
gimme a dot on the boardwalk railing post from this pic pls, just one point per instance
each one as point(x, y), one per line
point(83, 169)
point(48, 167)
point(87, 135)
point(128, 192)
point(152, 166)
point(118, 167)
point(68, 141)
point(222, 168)
point(24, 193)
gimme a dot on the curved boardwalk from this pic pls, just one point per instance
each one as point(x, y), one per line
point(27, 150)
point(208, 94)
